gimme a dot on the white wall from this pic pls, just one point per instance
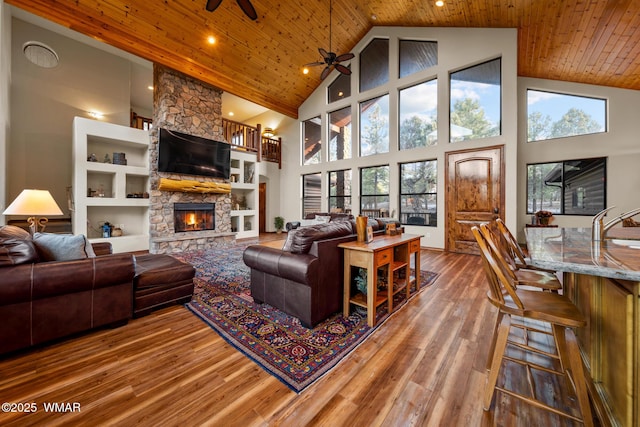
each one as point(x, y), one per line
point(620, 144)
point(5, 117)
point(44, 102)
point(457, 48)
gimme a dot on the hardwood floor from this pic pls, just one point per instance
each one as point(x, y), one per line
point(425, 366)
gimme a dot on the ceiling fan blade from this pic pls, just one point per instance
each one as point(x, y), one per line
point(325, 73)
point(323, 52)
point(345, 57)
point(248, 9)
point(213, 5)
point(343, 69)
point(313, 64)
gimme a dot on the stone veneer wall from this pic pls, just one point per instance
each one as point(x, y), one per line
point(186, 105)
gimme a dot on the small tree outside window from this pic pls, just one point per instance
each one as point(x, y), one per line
point(419, 115)
point(374, 126)
point(418, 193)
point(340, 191)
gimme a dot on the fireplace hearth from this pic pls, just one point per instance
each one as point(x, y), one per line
point(194, 217)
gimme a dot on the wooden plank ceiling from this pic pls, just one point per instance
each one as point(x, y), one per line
point(587, 41)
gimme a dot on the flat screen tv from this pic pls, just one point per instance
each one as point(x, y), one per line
point(193, 155)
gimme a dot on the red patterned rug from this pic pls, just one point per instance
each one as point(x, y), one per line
point(276, 341)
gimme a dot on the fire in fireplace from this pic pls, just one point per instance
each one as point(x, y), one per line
point(194, 217)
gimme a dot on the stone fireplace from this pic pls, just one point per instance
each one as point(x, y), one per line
point(186, 105)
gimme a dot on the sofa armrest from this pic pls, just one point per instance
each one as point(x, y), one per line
point(102, 248)
point(300, 268)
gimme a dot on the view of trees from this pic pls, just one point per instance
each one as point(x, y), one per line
point(469, 115)
point(414, 133)
point(574, 122)
point(374, 138)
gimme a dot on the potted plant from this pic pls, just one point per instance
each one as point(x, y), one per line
point(279, 224)
point(544, 217)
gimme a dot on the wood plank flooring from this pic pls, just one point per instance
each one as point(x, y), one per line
point(425, 366)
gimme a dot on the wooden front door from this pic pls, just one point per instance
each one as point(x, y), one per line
point(474, 194)
point(262, 207)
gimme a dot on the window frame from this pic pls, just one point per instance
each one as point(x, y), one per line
point(563, 189)
point(363, 195)
point(344, 197)
point(425, 194)
point(306, 197)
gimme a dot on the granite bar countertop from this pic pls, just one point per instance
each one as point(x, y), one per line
point(572, 250)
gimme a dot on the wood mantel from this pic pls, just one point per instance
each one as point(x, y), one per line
point(189, 186)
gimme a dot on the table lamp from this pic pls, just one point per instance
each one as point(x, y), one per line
point(34, 203)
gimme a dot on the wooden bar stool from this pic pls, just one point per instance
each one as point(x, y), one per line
point(516, 251)
point(522, 276)
point(535, 306)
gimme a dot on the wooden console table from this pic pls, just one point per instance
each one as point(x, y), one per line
point(391, 251)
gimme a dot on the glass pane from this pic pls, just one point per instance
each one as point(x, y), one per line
point(374, 180)
point(340, 134)
point(340, 204)
point(418, 209)
point(417, 56)
point(556, 115)
point(340, 88)
point(541, 196)
point(374, 202)
point(418, 177)
point(584, 184)
point(374, 126)
point(311, 193)
point(475, 102)
point(374, 64)
point(418, 115)
point(312, 143)
point(340, 183)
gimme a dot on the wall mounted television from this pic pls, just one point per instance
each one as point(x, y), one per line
point(193, 155)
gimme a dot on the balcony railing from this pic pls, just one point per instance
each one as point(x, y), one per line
point(239, 135)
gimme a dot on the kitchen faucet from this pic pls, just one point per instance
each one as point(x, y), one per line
point(599, 228)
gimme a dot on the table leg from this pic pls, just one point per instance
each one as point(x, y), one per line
point(347, 284)
point(372, 291)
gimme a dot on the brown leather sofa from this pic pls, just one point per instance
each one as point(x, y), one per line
point(44, 300)
point(307, 280)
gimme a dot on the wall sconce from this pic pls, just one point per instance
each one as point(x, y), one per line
point(268, 132)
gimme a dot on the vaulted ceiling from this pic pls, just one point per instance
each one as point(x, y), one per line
point(586, 41)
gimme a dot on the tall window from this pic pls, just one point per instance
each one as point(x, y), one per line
point(556, 115)
point(374, 126)
point(340, 191)
point(374, 188)
point(340, 88)
point(475, 102)
point(418, 191)
point(311, 141)
point(374, 64)
point(418, 115)
point(572, 187)
point(416, 56)
point(311, 194)
point(340, 134)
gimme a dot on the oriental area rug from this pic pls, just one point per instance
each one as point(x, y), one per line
point(277, 342)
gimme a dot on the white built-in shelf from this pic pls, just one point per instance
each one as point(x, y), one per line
point(114, 181)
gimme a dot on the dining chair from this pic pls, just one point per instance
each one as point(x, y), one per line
point(522, 276)
point(533, 307)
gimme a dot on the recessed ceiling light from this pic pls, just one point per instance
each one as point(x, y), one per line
point(150, 87)
point(211, 40)
point(439, 3)
point(40, 54)
point(231, 113)
point(305, 70)
point(374, 17)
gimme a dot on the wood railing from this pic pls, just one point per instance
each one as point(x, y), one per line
point(239, 135)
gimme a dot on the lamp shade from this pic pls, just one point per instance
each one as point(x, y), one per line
point(33, 202)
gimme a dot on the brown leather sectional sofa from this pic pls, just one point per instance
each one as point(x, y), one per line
point(41, 301)
point(307, 280)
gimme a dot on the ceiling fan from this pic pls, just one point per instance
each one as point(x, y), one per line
point(245, 5)
point(331, 59)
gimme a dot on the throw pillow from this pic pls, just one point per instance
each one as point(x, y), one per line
point(323, 218)
point(61, 247)
point(289, 241)
point(17, 251)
